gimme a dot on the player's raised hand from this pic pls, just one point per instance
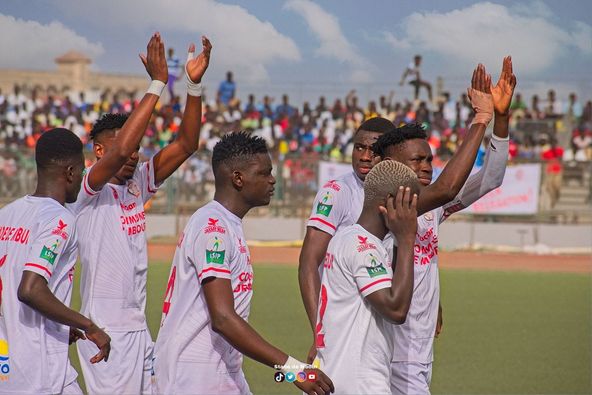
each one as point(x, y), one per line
point(400, 213)
point(195, 67)
point(75, 335)
point(102, 340)
point(321, 386)
point(155, 60)
point(480, 95)
point(503, 91)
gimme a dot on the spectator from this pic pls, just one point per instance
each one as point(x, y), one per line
point(226, 90)
point(416, 81)
point(174, 66)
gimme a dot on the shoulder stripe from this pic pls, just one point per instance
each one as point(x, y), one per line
point(38, 267)
point(374, 283)
point(323, 222)
point(87, 187)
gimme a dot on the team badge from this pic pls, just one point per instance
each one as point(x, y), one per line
point(428, 216)
point(132, 188)
point(325, 204)
point(215, 251)
point(374, 266)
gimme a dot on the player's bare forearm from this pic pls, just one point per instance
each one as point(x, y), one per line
point(455, 174)
point(501, 125)
point(167, 160)
point(34, 292)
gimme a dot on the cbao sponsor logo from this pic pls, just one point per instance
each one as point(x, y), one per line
point(325, 204)
point(374, 266)
point(4, 361)
point(215, 251)
point(49, 253)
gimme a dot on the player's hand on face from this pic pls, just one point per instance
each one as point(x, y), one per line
point(155, 60)
point(400, 214)
point(75, 335)
point(321, 386)
point(197, 66)
point(503, 91)
point(103, 342)
point(312, 354)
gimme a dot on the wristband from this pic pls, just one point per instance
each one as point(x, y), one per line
point(156, 87)
point(193, 88)
point(292, 365)
point(482, 105)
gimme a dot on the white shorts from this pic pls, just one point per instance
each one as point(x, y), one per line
point(71, 386)
point(410, 378)
point(201, 378)
point(128, 370)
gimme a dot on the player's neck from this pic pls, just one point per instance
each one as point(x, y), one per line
point(372, 222)
point(232, 204)
point(50, 191)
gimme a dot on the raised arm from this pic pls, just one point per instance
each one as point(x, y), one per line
point(225, 321)
point(130, 135)
point(401, 217)
point(456, 172)
point(173, 155)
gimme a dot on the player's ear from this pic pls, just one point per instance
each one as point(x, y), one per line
point(69, 171)
point(98, 150)
point(237, 179)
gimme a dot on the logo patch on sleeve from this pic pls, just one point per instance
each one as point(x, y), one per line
point(49, 254)
point(325, 204)
point(373, 266)
point(215, 251)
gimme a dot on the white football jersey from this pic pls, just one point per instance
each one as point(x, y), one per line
point(36, 234)
point(338, 203)
point(111, 226)
point(212, 245)
point(354, 342)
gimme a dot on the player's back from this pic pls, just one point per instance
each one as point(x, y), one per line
point(35, 235)
point(212, 245)
point(353, 342)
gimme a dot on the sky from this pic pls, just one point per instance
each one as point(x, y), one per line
point(307, 48)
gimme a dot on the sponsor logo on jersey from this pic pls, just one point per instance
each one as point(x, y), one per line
point(241, 247)
point(325, 204)
point(132, 188)
point(60, 230)
point(374, 266)
point(4, 361)
point(213, 227)
point(49, 253)
point(215, 251)
point(364, 244)
point(17, 235)
point(333, 185)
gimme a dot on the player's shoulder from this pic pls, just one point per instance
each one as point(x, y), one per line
point(209, 219)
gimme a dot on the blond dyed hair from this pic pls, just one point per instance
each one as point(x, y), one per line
point(385, 178)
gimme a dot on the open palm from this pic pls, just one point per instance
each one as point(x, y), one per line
point(197, 66)
point(504, 89)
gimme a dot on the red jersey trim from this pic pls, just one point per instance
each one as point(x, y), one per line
point(38, 267)
point(323, 222)
point(148, 179)
point(374, 283)
point(87, 188)
point(214, 269)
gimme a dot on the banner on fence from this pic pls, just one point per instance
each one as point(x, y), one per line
point(519, 193)
point(330, 170)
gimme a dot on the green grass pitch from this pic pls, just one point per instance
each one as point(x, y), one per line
point(504, 333)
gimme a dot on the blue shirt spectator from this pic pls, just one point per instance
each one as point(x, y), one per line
point(227, 89)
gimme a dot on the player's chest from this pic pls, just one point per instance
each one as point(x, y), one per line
point(426, 241)
point(124, 209)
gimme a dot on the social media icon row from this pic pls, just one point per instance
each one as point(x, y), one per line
point(290, 377)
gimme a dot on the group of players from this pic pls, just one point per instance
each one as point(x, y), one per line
point(368, 268)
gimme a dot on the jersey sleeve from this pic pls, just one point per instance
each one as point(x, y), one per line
point(85, 196)
point(51, 241)
point(211, 252)
point(146, 181)
point(488, 178)
point(371, 272)
point(329, 207)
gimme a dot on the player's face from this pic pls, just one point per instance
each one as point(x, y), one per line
point(258, 181)
point(105, 144)
point(74, 176)
point(362, 156)
point(417, 155)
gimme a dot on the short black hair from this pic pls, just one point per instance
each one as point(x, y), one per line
point(237, 146)
point(57, 147)
point(377, 125)
point(108, 122)
point(398, 136)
